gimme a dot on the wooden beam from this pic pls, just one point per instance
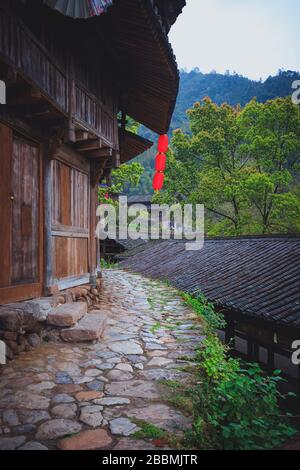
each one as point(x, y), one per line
point(32, 110)
point(8, 74)
point(23, 95)
point(101, 153)
point(70, 134)
point(116, 158)
point(88, 145)
point(81, 135)
point(97, 169)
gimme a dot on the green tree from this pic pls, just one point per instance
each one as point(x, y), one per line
point(272, 142)
point(241, 163)
point(127, 175)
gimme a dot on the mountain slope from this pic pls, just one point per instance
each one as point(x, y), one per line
point(233, 89)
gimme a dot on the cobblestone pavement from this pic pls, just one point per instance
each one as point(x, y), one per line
point(94, 396)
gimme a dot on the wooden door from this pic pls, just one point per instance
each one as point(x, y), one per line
point(20, 214)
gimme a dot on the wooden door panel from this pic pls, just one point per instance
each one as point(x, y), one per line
point(25, 212)
point(5, 204)
point(21, 217)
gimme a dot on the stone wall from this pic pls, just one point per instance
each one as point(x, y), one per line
point(23, 325)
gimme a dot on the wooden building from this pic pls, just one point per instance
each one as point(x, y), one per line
point(254, 281)
point(67, 82)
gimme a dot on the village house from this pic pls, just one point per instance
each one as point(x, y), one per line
point(72, 75)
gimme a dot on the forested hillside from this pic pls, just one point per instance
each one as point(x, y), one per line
point(233, 89)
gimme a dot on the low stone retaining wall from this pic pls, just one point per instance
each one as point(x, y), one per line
point(23, 325)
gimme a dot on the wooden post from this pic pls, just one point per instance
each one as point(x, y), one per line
point(249, 350)
point(48, 242)
point(71, 134)
point(271, 360)
point(255, 352)
point(92, 237)
point(229, 331)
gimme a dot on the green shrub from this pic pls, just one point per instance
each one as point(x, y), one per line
point(108, 264)
point(205, 309)
point(235, 407)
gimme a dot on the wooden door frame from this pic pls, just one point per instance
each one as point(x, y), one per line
point(29, 291)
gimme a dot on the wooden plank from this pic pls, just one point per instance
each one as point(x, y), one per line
point(25, 213)
point(92, 248)
point(73, 281)
point(70, 257)
point(101, 153)
point(81, 135)
point(91, 144)
point(18, 293)
point(6, 204)
point(72, 158)
point(47, 209)
point(65, 192)
point(69, 233)
point(24, 95)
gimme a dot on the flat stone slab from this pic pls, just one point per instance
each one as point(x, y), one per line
point(123, 427)
point(89, 328)
point(126, 347)
point(65, 410)
point(88, 396)
point(67, 315)
point(160, 415)
point(159, 362)
point(33, 416)
point(57, 428)
point(11, 443)
point(91, 415)
point(33, 446)
point(133, 388)
point(87, 440)
point(30, 401)
point(134, 444)
point(113, 401)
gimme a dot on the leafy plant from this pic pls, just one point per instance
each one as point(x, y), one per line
point(205, 309)
point(106, 264)
point(235, 405)
point(148, 430)
point(155, 327)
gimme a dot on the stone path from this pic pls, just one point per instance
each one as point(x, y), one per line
point(92, 396)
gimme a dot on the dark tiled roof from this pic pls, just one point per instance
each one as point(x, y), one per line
point(132, 145)
point(255, 276)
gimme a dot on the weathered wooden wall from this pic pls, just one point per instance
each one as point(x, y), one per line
point(70, 214)
point(21, 216)
point(50, 60)
point(25, 212)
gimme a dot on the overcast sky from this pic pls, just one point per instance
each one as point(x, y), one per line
point(252, 37)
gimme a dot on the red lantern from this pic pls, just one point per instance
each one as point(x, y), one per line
point(158, 181)
point(106, 196)
point(163, 143)
point(160, 163)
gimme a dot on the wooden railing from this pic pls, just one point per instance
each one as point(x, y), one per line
point(19, 48)
point(90, 112)
point(22, 50)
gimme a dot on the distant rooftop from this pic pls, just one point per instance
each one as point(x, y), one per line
point(256, 276)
